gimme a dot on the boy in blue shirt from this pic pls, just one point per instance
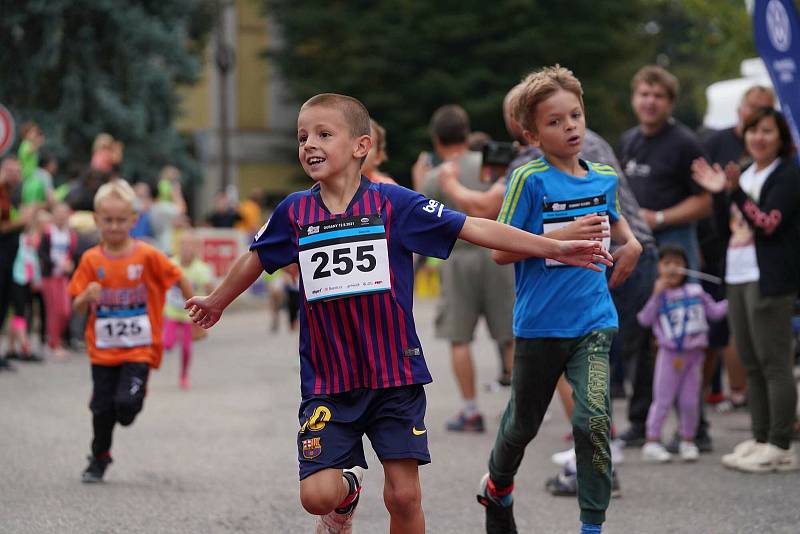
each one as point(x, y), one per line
point(362, 367)
point(564, 318)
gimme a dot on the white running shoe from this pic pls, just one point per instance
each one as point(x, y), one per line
point(617, 455)
point(564, 457)
point(769, 458)
point(688, 451)
point(740, 451)
point(654, 452)
point(340, 520)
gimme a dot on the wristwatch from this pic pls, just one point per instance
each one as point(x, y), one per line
point(659, 218)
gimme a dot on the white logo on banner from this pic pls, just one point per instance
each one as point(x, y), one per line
point(778, 27)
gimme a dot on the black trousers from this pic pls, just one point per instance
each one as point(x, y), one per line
point(8, 251)
point(632, 345)
point(117, 397)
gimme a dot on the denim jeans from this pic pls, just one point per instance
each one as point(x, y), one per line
point(684, 236)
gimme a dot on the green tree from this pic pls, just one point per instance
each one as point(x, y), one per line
point(80, 67)
point(404, 58)
point(700, 42)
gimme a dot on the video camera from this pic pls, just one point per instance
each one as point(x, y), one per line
point(498, 154)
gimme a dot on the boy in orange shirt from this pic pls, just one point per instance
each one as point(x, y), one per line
point(123, 284)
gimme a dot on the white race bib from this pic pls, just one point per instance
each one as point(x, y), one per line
point(344, 257)
point(684, 318)
point(560, 213)
point(122, 328)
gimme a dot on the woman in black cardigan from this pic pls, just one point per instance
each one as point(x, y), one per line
point(758, 211)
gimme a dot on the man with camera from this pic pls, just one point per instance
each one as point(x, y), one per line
point(473, 285)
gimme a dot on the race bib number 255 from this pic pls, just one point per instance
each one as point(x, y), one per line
point(344, 257)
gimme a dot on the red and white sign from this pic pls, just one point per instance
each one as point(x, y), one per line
point(220, 247)
point(7, 130)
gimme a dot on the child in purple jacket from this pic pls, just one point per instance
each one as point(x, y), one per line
point(678, 312)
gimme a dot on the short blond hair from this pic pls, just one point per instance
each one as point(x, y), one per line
point(539, 86)
point(118, 188)
point(102, 140)
point(355, 113)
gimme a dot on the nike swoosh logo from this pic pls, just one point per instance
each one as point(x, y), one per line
point(418, 432)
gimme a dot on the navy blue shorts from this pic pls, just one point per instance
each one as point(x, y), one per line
point(332, 428)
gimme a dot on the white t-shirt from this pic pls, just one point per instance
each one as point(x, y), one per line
point(59, 248)
point(741, 265)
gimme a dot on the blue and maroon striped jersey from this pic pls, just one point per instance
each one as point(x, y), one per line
point(357, 330)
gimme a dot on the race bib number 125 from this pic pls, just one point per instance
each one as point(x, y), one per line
point(344, 257)
point(122, 328)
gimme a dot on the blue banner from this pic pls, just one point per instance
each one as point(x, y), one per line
point(776, 28)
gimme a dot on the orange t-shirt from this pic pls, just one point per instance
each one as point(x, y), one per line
point(125, 326)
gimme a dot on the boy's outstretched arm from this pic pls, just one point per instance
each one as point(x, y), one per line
point(206, 311)
point(492, 234)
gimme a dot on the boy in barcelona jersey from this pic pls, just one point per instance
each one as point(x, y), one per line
point(362, 367)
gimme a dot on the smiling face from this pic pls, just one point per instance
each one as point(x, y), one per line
point(763, 141)
point(559, 125)
point(327, 148)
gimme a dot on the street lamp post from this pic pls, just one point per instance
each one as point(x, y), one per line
point(225, 59)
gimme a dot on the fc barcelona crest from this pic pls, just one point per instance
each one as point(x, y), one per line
point(312, 448)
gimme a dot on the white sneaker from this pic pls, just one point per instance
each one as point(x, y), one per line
point(340, 520)
point(564, 457)
point(654, 452)
point(740, 451)
point(769, 458)
point(617, 456)
point(688, 451)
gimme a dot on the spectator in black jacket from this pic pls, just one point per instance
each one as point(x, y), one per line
point(759, 212)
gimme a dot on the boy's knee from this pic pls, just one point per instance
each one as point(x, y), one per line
point(316, 501)
point(127, 410)
point(520, 437)
point(403, 501)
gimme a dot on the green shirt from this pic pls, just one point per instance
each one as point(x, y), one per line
point(28, 159)
point(199, 275)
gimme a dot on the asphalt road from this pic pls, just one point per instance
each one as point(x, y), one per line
point(220, 458)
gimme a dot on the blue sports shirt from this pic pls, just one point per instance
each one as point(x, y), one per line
point(357, 282)
point(557, 300)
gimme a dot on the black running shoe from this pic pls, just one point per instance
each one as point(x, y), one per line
point(499, 516)
point(633, 437)
point(29, 357)
point(96, 469)
point(5, 365)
